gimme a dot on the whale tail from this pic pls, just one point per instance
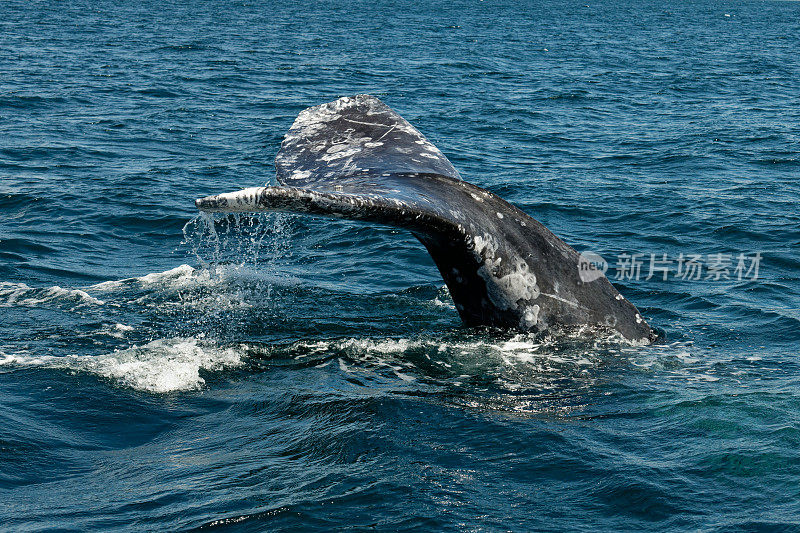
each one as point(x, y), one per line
point(356, 158)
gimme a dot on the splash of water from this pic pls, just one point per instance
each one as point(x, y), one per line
point(238, 239)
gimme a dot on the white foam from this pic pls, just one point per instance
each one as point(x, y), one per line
point(516, 345)
point(236, 285)
point(163, 365)
point(118, 331)
point(385, 346)
point(21, 295)
point(529, 349)
point(178, 275)
point(439, 303)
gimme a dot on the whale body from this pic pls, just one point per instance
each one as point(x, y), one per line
point(356, 158)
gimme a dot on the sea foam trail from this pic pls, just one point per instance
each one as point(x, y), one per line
point(163, 365)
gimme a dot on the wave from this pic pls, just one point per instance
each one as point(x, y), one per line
point(21, 295)
point(510, 363)
point(236, 305)
point(179, 275)
point(29, 101)
point(186, 276)
point(212, 290)
point(453, 355)
point(160, 366)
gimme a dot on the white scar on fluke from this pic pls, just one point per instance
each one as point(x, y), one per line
point(356, 158)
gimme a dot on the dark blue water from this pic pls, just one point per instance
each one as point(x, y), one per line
point(161, 371)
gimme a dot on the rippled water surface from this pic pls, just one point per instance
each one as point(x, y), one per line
point(161, 370)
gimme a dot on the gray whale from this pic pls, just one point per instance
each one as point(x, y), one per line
point(356, 158)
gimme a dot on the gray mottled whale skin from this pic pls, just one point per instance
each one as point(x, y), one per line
point(355, 158)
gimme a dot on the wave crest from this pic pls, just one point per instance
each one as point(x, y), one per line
point(160, 366)
point(21, 295)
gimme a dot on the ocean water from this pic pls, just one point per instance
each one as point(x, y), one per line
point(160, 370)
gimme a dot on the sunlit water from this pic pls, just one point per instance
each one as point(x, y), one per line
point(164, 370)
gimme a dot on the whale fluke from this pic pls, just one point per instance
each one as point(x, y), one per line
point(356, 158)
